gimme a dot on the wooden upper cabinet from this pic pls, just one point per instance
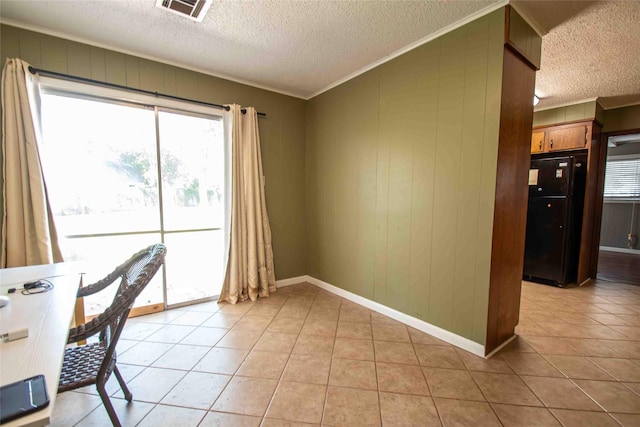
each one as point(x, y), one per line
point(537, 142)
point(570, 138)
point(573, 136)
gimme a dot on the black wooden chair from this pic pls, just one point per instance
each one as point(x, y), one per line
point(93, 363)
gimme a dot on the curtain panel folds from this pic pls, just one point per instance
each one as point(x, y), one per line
point(28, 231)
point(250, 270)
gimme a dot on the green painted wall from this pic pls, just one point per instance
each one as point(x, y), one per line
point(282, 130)
point(552, 116)
point(401, 172)
point(624, 118)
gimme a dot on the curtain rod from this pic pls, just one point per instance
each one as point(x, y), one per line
point(34, 70)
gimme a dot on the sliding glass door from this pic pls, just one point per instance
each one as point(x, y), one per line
point(121, 176)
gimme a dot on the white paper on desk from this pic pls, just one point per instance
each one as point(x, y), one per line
point(533, 176)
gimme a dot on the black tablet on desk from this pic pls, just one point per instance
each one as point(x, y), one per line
point(22, 397)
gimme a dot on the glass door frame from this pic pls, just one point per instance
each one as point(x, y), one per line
point(93, 92)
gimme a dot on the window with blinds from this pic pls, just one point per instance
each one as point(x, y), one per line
point(622, 179)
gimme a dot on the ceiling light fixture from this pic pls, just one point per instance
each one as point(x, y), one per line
point(192, 9)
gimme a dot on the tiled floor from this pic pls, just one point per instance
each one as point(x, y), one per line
point(306, 357)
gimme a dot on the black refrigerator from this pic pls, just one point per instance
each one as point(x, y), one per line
point(554, 219)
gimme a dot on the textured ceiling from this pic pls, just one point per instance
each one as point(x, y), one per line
point(294, 47)
point(590, 49)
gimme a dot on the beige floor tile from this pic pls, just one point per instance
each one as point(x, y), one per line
point(192, 318)
point(239, 339)
point(246, 396)
point(610, 319)
point(381, 318)
point(477, 363)
point(263, 364)
point(353, 373)
point(397, 378)
point(314, 345)
point(204, 336)
point(355, 315)
point(252, 323)
point(324, 313)
point(308, 369)
point(628, 420)
point(145, 353)
point(220, 419)
point(630, 349)
point(593, 347)
point(276, 341)
point(419, 337)
point(452, 384)
point(129, 414)
point(635, 387)
point(570, 418)
point(504, 388)
point(437, 356)
point(395, 352)
point(222, 320)
point(152, 384)
point(322, 328)
point(272, 422)
point(560, 393)
point(621, 369)
point(298, 402)
point(139, 330)
point(578, 367)
point(71, 407)
point(286, 325)
point(183, 357)
point(295, 311)
point(530, 364)
point(221, 361)
point(196, 390)
point(265, 310)
point(241, 308)
point(170, 334)
point(351, 407)
point(551, 345)
point(612, 396)
point(348, 348)
point(357, 330)
point(172, 415)
point(390, 332)
point(405, 410)
point(524, 416)
point(462, 413)
point(517, 345)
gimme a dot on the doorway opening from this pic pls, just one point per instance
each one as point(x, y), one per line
point(619, 251)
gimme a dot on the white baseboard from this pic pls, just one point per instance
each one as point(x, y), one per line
point(421, 325)
point(291, 281)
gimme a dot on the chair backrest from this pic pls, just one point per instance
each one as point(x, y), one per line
point(135, 275)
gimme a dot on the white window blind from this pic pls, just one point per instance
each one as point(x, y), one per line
point(622, 179)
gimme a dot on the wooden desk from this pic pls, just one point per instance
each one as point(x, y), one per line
point(48, 316)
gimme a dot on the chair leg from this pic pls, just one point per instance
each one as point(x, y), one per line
point(108, 406)
point(123, 384)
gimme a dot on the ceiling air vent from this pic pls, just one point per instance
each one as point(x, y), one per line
point(192, 9)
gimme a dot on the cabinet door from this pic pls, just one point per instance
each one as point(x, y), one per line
point(570, 138)
point(537, 142)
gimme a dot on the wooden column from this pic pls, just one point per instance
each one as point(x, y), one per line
point(510, 211)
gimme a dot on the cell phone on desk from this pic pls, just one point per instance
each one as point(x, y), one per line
point(22, 398)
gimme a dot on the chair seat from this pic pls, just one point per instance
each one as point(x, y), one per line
point(81, 364)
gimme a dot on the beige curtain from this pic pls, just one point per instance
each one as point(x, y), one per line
point(28, 232)
point(250, 273)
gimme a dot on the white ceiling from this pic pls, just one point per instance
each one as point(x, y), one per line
point(302, 48)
